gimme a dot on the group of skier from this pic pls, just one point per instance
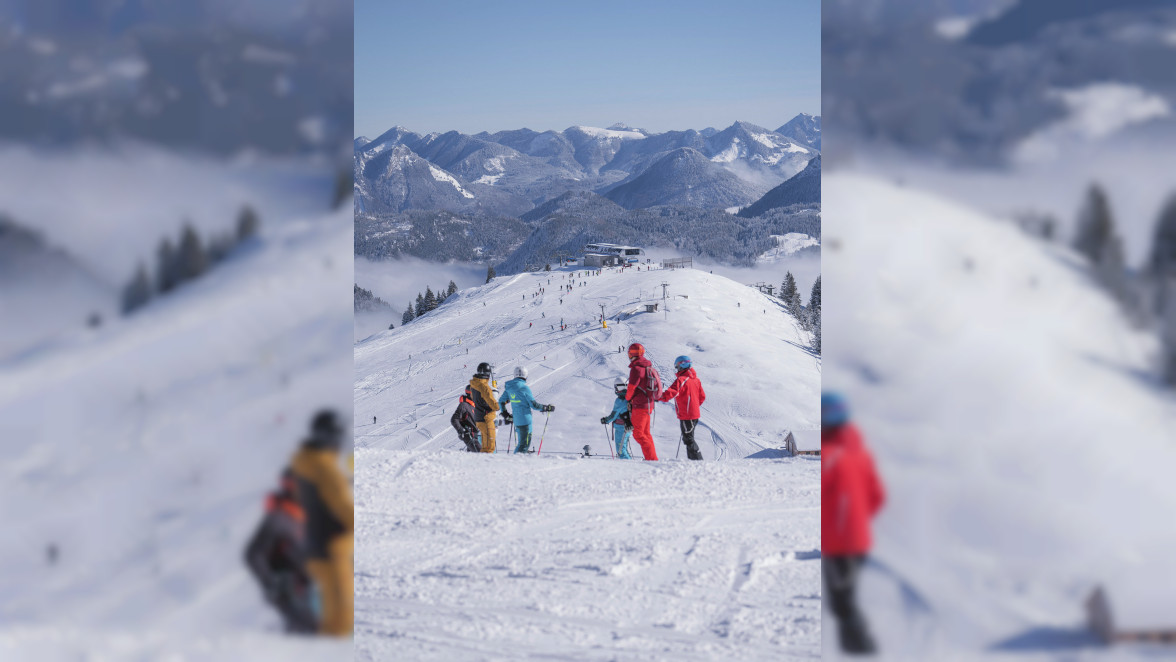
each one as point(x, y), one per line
point(301, 553)
point(477, 411)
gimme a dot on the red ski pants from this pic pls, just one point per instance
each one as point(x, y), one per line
point(640, 418)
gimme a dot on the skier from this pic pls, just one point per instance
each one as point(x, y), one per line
point(687, 388)
point(485, 405)
point(464, 422)
point(851, 494)
point(619, 417)
point(276, 558)
point(640, 392)
point(325, 495)
point(522, 401)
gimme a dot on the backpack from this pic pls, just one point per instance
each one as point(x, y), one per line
point(652, 383)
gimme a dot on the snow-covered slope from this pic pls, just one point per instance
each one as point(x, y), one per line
point(760, 378)
point(477, 557)
point(1026, 447)
point(142, 450)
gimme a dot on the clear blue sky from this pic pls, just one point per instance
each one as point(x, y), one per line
point(440, 65)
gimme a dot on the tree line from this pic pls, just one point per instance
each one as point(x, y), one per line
point(1147, 295)
point(427, 302)
point(808, 316)
point(186, 259)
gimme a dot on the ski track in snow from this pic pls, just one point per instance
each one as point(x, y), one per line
point(479, 557)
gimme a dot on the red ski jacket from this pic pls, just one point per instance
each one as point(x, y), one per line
point(851, 493)
point(638, 398)
point(688, 389)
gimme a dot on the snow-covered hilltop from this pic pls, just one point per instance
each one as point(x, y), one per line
point(140, 450)
point(753, 358)
point(1026, 446)
point(462, 555)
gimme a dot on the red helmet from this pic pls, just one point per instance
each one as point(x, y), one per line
point(636, 350)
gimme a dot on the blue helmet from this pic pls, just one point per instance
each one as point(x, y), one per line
point(682, 363)
point(834, 409)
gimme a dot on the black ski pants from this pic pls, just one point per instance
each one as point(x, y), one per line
point(688, 428)
point(841, 575)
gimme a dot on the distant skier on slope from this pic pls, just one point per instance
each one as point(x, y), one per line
point(643, 388)
point(277, 558)
point(465, 422)
point(851, 494)
point(485, 405)
point(325, 495)
point(522, 401)
point(619, 417)
point(687, 388)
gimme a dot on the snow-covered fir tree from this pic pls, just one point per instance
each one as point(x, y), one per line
point(451, 290)
point(408, 315)
point(430, 299)
point(137, 292)
point(1095, 225)
point(490, 273)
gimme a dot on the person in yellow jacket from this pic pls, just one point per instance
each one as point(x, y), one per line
point(325, 496)
point(485, 405)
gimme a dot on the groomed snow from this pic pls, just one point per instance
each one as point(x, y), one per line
point(1025, 445)
point(479, 557)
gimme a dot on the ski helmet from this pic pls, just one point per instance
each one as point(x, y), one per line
point(621, 386)
point(834, 410)
point(682, 363)
point(521, 372)
point(483, 370)
point(636, 350)
point(325, 430)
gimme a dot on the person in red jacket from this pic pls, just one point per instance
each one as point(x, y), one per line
point(640, 397)
point(851, 494)
point(688, 390)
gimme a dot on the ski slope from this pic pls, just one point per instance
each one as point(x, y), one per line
point(142, 451)
point(465, 556)
point(753, 359)
point(1022, 437)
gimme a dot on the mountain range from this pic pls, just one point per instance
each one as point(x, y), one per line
point(510, 172)
point(513, 198)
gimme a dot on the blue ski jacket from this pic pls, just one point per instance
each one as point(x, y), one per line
point(620, 408)
point(521, 401)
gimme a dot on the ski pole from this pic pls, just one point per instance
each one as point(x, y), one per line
point(510, 439)
point(541, 434)
point(610, 443)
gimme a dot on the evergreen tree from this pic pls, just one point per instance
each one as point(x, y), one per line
point(547, 267)
point(791, 296)
point(490, 273)
point(408, 315)
point(192, 256)
point(1168, 334)
point(137, 292)
point(814, 315)
point(343, 188)
point(1095, 225)
point(420, 305)
point(247, 223)
point(167, 271)
point(430, 299)
point(1163, 252)
point(815, 296)
point(452, 289)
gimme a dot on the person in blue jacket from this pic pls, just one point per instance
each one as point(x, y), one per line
point(619, 417)
point(522, 401)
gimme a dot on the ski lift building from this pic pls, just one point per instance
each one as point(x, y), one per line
point(622, 254)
